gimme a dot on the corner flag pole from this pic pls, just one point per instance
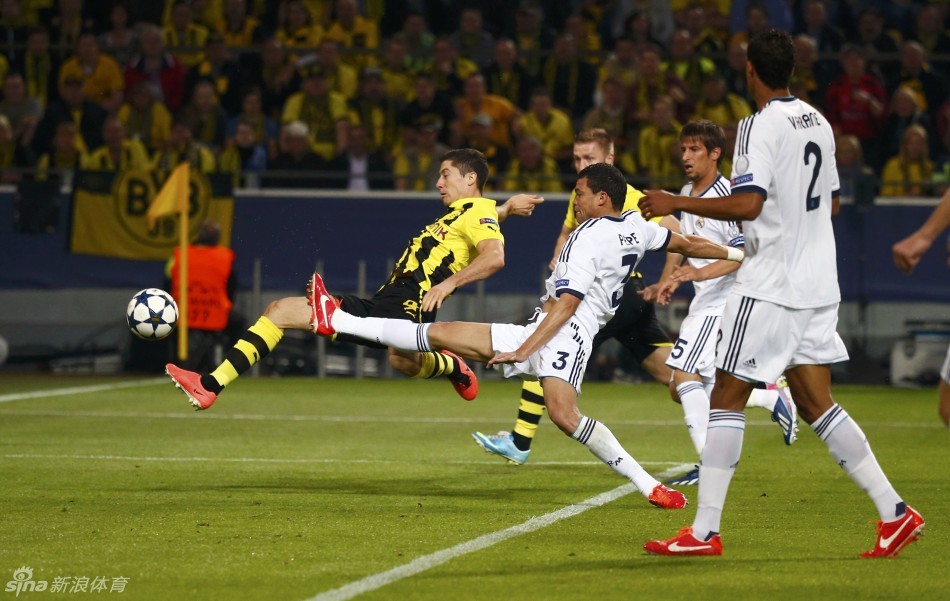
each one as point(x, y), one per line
point(183, 275)
point(173, 198)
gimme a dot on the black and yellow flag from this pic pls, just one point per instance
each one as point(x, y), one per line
point(110, 213)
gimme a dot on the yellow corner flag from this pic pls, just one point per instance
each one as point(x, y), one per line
point(173, 197)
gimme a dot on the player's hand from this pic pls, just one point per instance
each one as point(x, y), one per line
point(656, 202)
point(522, 205)
point(665, 290)
point(512, 357)
point(436, 295)
point(650, 293)
point(907, 252)
point(685, 273)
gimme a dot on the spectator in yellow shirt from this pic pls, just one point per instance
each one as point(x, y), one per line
point(418, 167)
point(357, 34)
point(910, 172)
point(550, 125)
point(659, 146)
point(146, 118)
point(180, 147)
point(476, 101)
point(718, 104)
point(322, 110)
point(184, 38)
point(237, 29)
point(300, 31)
point(531, 171)
point(65, 153)
point(102, 79)
point(119, 153)
point(343, 78)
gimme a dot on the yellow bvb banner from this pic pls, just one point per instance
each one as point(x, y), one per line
point(109, 213)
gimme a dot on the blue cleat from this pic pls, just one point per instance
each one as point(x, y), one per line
point(785, 415)
point(690, 478)
point(501, 444)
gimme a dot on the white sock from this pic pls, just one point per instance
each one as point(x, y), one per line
point(765, 399)
point(719, 460)
point(850, 449)
point(397, 333)
point(604, 445)
point(695, 411)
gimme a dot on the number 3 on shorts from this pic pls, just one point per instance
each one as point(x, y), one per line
point(561, 362)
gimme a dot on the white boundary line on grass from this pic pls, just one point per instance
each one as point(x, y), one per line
point(38, 394)
point(426, 562)
point(304, 460)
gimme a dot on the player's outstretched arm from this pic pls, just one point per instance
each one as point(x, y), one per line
point(519, 205)
point(744, 206)
point(703, 248)
point(908, 252)
point(557, 316)
point(491, 258)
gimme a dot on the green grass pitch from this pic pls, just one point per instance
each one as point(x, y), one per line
point(289, 488)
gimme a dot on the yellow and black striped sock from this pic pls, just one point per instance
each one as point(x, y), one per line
point(260, 339)
point(529, 415)
point(434, 365)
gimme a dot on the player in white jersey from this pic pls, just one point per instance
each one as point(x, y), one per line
point(693, 355)
point(581, 295)
point(782, 313)
point(907, 254)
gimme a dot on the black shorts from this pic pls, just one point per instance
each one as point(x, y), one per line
point(400, 299)
point(634, 325)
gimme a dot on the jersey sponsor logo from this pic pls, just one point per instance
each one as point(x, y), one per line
point(562, 283)
point(742, 179)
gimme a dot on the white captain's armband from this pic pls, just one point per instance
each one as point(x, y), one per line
point(734, 254)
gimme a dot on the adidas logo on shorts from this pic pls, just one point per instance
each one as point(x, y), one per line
point(749, 363)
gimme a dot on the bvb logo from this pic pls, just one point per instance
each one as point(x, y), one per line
point(133, 192)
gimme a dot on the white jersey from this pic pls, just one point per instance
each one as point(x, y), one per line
point(786, 153)
point(596, 262)
point(710, 295)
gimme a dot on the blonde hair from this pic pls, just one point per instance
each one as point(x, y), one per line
point(597, 135)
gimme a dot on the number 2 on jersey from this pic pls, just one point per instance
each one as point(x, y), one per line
point(812, 202)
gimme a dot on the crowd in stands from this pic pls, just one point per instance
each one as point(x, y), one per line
point(367, 94)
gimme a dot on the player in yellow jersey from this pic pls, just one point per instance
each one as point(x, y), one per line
point(634, 325)
point(464, 245)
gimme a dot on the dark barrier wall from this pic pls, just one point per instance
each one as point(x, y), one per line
point(289, 234)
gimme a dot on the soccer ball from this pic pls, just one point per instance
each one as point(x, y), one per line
point(152, 314)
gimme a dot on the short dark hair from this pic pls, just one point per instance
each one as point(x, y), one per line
point(772, 54)
point(602, 177)
point(469, 160)
point(711, 135)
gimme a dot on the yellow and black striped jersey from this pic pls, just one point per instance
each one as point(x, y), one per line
point(450, 243)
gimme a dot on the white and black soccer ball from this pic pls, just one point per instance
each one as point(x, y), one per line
point(152, 314)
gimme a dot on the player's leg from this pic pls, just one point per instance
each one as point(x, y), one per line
point(636, 327)
point(848, 445)
point(692, 360)
point(560, 397)
point(515, 446)
point(401, 298)
point(749, 349)
point(259, 340)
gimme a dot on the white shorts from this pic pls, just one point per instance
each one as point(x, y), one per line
point(695, 349)
point(564, 356)
point(759, 340)
point(945, 370)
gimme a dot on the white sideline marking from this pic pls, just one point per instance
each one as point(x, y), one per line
point(37, 394)
point(421, 564)
point(285, 460)
point(384, 419)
